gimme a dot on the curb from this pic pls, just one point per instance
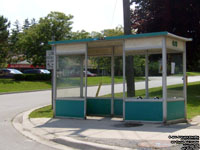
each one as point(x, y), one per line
point(26, 128)
point(23, 124)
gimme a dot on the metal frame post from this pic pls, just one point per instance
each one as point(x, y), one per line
point(54, 80)
point(81, 73)
point(164, 78)
point(184, 80)
point(147, 74)
point(124, 79)
point(86, 65)
point(113, 80)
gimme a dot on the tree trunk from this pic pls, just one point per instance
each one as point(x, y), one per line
point(130, 81)
point(129, 59)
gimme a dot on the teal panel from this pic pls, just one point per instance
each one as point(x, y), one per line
point(98, 106)
point(118, 107)
point(143, 111)
point(175, 110)
point(70, 108)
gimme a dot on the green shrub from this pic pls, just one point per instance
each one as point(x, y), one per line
point(32, 77)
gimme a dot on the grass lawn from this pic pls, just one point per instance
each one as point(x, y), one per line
point(193, 73)
point(9, 85)
point(44, 112)
point(193, 104)
point(108, 80)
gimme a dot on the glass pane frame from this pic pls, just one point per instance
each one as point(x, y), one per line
point(146, 85)
point(72, 77)
point(175, 73)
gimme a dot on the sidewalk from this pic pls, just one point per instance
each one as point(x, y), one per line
point(100, 133)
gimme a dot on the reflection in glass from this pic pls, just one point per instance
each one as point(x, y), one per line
point(69, 77)
point(155, 75)
point(174, 76)
point(99, 84)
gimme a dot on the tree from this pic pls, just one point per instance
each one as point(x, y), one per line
point(4, 33)
point(129, 59)
point(14, 47)
point(181, 17)
point(105, 62)
point(26, 25)
point(34, 40)
point(57, 24)
point(79, 35)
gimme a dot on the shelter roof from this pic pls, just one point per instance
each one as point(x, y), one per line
point(122, 37)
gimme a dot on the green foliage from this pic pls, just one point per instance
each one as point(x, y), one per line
point(79, 35)
point(104, 63)
point(4, 33)
point(32, 77)
point(180, 17)
point(15, 53)
point(113, 32)
point(34, 39)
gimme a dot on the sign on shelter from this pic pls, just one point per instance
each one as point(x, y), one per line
point(49, 59)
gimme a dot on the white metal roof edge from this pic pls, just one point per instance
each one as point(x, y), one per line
point(179, 37)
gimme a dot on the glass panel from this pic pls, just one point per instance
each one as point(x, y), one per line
point(69, 78)
point(174, 76)
point(118, 75)
point(155, 76)
point(99, 77)
point(135, 71)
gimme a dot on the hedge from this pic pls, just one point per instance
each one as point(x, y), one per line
point(32, 77)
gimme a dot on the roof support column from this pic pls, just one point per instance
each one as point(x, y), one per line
point(185, 80)
point(124, 79)
point(113, 80)
point(86, 65)
point(164, 79)
point(54, 79)
point(81, 73)
point(147, 74)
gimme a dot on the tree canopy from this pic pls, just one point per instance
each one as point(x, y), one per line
point(35, 37)
point(181, 17)
point(4, 33)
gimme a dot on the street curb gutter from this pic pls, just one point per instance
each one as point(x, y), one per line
point(24, 125)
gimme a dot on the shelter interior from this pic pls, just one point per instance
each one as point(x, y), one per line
point(156, 60)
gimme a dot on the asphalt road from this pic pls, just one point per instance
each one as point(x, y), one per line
point(10, 106)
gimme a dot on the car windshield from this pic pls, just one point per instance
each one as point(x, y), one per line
point(88, 72)
point(15, 71)
point(45, 71)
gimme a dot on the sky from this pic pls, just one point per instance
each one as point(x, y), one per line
point(90, 15)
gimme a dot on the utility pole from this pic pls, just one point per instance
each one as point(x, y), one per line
point(129, 59)
point(127, 17)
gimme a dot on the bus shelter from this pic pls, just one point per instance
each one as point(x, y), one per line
point(161, 58)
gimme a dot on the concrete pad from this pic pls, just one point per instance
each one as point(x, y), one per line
point(109, 131)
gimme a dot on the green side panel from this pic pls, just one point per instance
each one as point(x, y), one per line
point(70, 108)
point(118, 107)
point(98, 106)
point(143, 111)
point(175, 110)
